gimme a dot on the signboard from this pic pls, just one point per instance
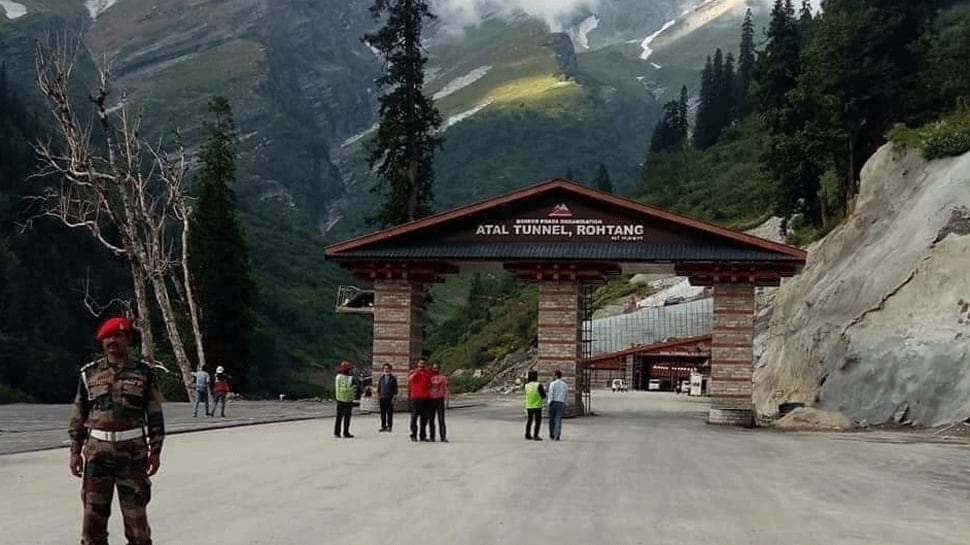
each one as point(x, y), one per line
point(561, 222)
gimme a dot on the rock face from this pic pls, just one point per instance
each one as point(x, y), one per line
point(879, 317)
point(565, 51)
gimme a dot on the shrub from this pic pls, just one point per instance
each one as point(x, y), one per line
point(948, 137)
point(170, 384)
point(460, 384)
point(13, 395)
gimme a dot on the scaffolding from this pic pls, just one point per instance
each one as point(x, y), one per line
point(586, 312)
point(354, 300)
point(650, 325)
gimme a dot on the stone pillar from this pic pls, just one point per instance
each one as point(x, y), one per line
point(732, 355)
point(398, 340)
point(561, 338)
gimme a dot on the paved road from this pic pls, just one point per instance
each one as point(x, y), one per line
point(29, 427)
point(646, 470)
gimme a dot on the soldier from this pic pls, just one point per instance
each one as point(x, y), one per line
point(117, 399)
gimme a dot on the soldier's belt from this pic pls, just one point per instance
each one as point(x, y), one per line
point(115, 436)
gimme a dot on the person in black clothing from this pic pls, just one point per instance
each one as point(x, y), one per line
point(386, 392)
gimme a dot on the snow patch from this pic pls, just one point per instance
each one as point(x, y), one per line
point(645, 44)
point(459, 117)
point(357, 137)
point(462, 81)
point(97, 7)
point(14, 10)
point(587, 26)
point(655, 65)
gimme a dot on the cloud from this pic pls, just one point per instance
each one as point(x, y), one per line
point(456, 14)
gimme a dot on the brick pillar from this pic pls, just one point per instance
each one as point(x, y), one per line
point(398, 340)
point(561, 338)
point(732, 355)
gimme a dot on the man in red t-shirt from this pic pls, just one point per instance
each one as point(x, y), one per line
point(439, 400)
point(419, 391)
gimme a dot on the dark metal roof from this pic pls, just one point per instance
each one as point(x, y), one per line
point(614, 251)
point(737, 246)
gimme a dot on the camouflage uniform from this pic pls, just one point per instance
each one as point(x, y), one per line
point(111, 399)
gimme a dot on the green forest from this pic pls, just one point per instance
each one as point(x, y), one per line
point(784, 128)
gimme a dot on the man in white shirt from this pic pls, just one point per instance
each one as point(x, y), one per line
point(558, 390)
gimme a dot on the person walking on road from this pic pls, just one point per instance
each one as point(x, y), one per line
point(558, 390)
point(345, 388)
point(438, 402)
point(201, 380)
point(419, 392)
point(221, 386)
point(386, 392)
point(117, 400)
point(534, 396)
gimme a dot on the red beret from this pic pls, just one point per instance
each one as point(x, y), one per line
point(114, 325)
point(345, 367)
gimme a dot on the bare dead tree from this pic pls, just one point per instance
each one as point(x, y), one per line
point(129, 194)
point(95, 307)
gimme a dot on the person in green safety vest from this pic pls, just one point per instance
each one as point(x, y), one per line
point(345, 389)
point(534, 396)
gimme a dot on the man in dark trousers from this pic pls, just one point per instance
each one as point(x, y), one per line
point(117, 402)
point(419, 392)
point(386, 392)
point(344, 391)
point(439, 402)
point(221, 386)
point(534, 396)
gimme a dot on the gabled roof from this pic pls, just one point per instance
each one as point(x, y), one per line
point(426, 238)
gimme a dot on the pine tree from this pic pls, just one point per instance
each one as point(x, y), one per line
point(779, 65)
point(403, 149)
point(683, 127)
point(602, 181)
point(875, 81)
point(218, 252)
point(805, 15)
point(705, 124)
point(944, 79)
point(728, 99)
point(746, 65)
point(669, 134)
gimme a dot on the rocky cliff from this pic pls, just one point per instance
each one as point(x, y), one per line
point(878, 324)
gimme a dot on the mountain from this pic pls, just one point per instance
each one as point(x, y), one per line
point(573, 83)
point(526, 94)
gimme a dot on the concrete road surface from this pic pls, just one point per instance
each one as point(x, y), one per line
point(646, 470)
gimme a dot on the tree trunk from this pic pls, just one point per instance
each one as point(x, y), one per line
point(144, 317)
point(171, 327)
point(189, 294)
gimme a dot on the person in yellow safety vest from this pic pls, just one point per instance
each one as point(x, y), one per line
point(345, 388)
point(534, 396)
